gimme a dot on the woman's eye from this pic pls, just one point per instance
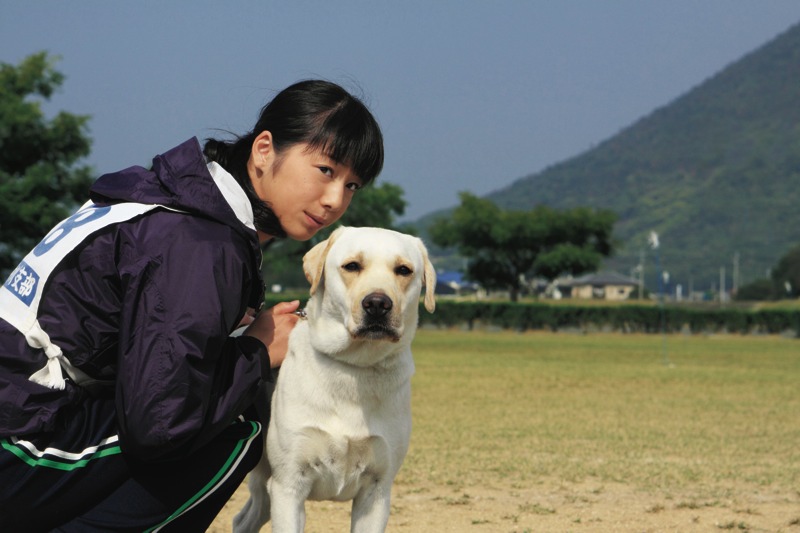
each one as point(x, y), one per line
point(328, 171)
point(352, 267)
point(353, 186)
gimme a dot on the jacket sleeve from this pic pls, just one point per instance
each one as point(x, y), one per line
point(181, 377)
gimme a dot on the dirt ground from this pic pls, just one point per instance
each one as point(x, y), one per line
point(559, 507)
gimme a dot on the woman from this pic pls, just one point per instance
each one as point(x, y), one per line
point(125, 404)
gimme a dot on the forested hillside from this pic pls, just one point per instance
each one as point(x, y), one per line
point(715, 173)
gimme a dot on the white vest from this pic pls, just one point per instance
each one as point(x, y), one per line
point(22, 292)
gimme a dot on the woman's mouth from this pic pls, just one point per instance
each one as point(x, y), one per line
point(315, 221)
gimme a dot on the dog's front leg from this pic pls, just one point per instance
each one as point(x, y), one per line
point(255, 512)
point(288, 507)
point(371, 508)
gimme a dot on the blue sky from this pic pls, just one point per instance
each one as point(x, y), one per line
point(470, 95)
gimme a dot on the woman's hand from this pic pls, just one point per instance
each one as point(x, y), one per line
point(272, 327)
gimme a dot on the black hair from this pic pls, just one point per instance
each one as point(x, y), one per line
point(319, 113)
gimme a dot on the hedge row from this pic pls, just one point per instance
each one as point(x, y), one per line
point(622, 318)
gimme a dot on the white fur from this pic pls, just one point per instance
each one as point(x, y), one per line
point(341, 411)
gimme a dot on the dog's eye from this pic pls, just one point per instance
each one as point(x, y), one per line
point(403, 270)
point(352, 267)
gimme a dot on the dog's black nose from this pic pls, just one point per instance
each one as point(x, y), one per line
point(376, 304)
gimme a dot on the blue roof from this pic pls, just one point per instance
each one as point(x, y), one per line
point(450, 277)
point(602, 279)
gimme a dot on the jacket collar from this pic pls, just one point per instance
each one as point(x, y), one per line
point(233, 194)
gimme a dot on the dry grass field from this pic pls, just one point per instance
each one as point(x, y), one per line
point(541, 432)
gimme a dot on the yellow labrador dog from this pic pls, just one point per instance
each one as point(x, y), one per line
point(341, 411)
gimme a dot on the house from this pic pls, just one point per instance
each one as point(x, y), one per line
point(454, 283)
point(603, 286)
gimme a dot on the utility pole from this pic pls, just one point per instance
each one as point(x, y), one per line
point(654, 244)
point(641, 273)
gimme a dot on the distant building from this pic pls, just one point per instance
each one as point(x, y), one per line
point(454, 283)
point(603, 286)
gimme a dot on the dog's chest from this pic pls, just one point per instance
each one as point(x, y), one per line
point(339, 466)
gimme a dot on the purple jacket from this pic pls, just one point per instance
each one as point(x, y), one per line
point(146, 306)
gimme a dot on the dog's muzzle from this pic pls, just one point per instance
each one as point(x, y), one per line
point(376, 321)
point(376, 305)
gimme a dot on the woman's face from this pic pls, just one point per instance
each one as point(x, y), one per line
point(306, 189)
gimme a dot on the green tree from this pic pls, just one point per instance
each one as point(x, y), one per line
point(39, 182)
point(503, 247)
point(374, 205)
point(786, 275)
point(784, 282)
point(758, 290)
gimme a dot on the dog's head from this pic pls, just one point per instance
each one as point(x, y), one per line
point(368, 282)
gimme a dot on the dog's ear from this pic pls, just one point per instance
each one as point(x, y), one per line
point(314, 260)
point(429, 279)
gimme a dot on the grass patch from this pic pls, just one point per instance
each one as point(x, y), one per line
point(536, 508)
point(492, 406)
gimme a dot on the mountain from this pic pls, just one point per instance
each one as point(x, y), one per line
point(716, 173)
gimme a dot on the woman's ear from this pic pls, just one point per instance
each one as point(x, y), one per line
point(262, 152)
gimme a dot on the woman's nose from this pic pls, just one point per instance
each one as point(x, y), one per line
point(333, 196)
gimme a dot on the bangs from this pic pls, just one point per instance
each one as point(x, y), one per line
point(349, 135)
